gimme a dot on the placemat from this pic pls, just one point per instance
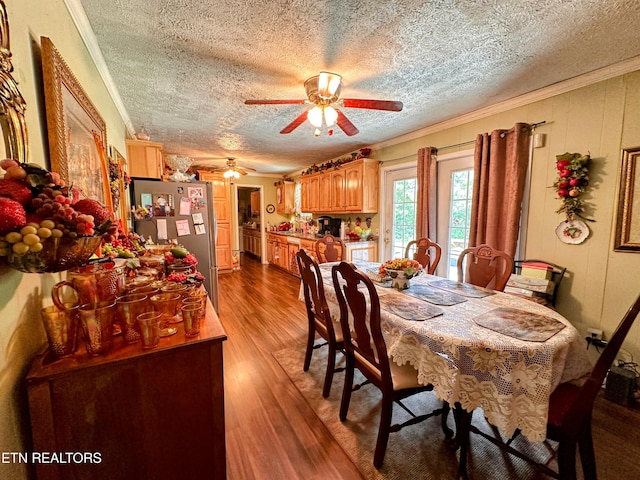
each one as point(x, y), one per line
point(520, 324)
point(434, 295)
point(409, 308)
point(464, 289)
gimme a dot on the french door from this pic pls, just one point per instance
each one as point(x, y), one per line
point(454, 193)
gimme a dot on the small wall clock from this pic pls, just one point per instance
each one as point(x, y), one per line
point(271, 208)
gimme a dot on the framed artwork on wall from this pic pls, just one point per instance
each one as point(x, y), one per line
point(72, 120)
point(627, 237)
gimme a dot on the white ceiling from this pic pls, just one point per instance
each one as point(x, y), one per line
point(183, 68)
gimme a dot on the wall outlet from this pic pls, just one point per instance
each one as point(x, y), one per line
point(594, 333)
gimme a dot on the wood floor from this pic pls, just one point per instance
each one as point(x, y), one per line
point(273, 434)
point(271, 431)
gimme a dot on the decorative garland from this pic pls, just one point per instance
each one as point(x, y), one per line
point(571, 183)
point(334, 164)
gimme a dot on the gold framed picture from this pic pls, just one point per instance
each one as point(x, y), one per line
point(72, 120)
point(627, 237)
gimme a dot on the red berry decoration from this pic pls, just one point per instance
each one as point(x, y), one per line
point(12, 215)
point(573, 177)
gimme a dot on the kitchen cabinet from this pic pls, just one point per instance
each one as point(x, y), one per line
point(222, 205)
point(255, 204)
point(281, 252)
point(309, 246)
point(285, 193)
point(252, 241)
point(155, 413)
point(144, 159)
point(351, 188)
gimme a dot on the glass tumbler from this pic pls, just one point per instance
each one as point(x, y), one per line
point(168, 304)
point(129, 307)
point(149, 325)
point(97, 326)
point(192, 314)
point(61, 327)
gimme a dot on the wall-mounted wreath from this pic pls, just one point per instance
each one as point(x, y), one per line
point(571, 183)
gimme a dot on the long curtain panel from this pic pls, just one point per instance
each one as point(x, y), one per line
point(500, 167)
point(426, 201)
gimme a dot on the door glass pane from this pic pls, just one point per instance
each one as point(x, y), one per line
point(459, 216)
point(404, 218)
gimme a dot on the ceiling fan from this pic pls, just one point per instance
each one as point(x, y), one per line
point(231, 170)
point(323, 92)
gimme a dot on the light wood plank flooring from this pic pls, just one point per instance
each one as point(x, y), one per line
point(272, 433)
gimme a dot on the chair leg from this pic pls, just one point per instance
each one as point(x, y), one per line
point(348, 385)
point(448, 433)
point(331, 367)
point(587, 455)
point(567, 460)
point(311, 338)
point(383, 431)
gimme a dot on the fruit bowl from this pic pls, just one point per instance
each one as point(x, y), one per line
point(58, 254)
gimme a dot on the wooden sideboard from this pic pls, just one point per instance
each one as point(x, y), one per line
point(156, 414)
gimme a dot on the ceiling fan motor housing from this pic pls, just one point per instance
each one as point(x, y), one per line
point(325, 94)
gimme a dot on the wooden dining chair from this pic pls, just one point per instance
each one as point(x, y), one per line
point(330, 249)
point(427, 253)
point(485, 266)
point(570, 408)
point(366, 350)
point(319, 318)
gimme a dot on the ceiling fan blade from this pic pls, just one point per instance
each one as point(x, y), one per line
point(345, 124)
point(296, 123)
point(373, 104)
point(274, 102)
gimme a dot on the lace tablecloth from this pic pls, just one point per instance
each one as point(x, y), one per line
point(509, 377)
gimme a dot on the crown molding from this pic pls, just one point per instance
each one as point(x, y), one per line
point(83, 26)
point(595, 76)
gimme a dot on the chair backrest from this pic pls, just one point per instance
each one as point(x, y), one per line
point(485, 267)
point(427, 253)
point(583, 404)
point(313, 289)
point(360, 323)
point(330, 249)
point(557, 274)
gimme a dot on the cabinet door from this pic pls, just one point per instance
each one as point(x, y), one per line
point(324, 193)
point(144, 159)
point(223, 246)
point(314, 194)
point(304, 194)
point(338, 193)
point(354, 189)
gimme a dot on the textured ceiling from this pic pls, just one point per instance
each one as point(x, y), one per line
point(183, 68)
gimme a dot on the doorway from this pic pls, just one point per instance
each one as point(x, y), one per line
point(248, 213)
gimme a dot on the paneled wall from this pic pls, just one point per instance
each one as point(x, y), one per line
point(599, 119)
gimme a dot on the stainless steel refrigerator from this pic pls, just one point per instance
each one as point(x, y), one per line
point(183, 212)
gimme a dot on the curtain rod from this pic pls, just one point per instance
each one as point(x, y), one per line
point(532, 127)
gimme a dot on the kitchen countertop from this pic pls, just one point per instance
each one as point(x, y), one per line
point(313, 237)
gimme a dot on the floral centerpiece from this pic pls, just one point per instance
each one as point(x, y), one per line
point(401, 270)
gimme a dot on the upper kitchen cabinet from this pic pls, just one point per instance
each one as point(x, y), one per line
point(145, 159)
point(351, 188)
point(285, 193)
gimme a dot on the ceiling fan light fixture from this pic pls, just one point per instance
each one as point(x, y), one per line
point(328, 84)
point(315, 116)
point(330, 116)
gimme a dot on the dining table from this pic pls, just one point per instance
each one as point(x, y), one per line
point(479, 348)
